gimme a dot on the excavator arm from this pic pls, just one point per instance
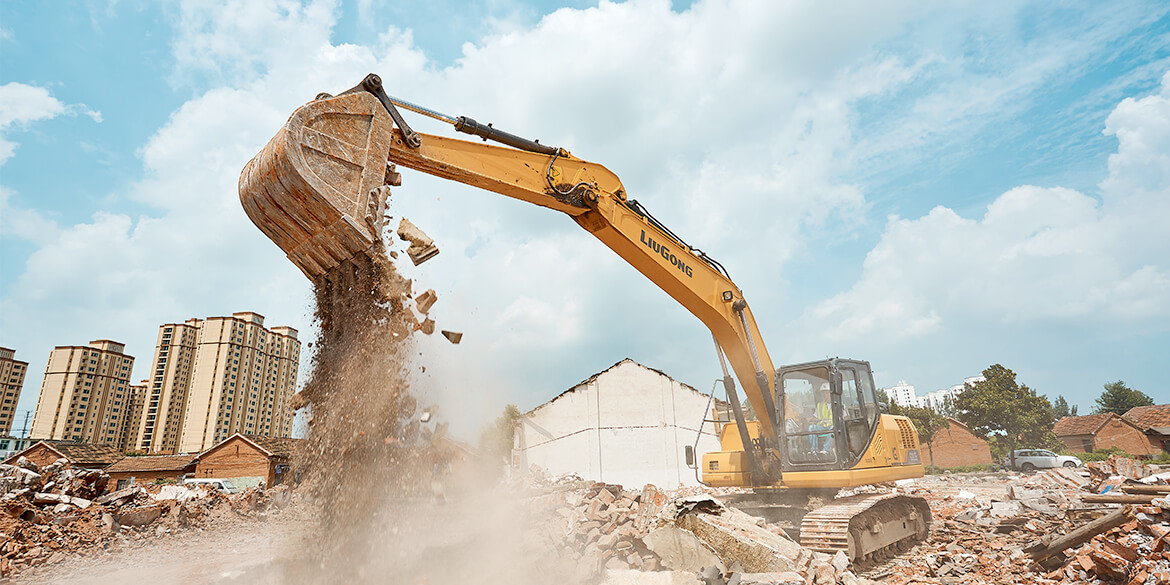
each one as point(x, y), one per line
point(596, 199)
point(318, 190)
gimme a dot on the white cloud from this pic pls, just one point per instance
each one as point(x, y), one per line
point(1037, 256)
point(25, 224)
point(22, 104)
point(733, 122)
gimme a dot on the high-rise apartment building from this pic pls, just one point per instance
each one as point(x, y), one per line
point(135, 405)
point(83, 395)
point(12, 373)
point(218, 376)
point(165, 401)
point(902, 394)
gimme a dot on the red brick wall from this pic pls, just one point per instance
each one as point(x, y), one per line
point(41, 455)
point(1116, 433)
point(236, 458)
point(955, 446)
point(1076, 443)
point(144, 477)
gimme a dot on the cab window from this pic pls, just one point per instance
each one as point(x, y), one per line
point(808, 417)
point(853, 413)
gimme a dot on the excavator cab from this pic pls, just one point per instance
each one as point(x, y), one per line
point(830, 432)
point(829, 412)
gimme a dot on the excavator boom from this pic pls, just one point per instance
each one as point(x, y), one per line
point(318, 190)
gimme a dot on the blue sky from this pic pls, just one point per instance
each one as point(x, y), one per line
point(934, 187)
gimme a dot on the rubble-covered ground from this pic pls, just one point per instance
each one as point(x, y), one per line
point(59, 514)
point(63, 526)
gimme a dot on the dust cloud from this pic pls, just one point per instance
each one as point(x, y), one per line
point(397, 501)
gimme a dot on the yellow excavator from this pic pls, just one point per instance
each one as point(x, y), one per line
point(318, 190)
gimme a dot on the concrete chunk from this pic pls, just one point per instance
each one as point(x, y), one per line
point(118, 495)
point(452, 336)
point(426, 300)
point(422, 247)
point(41, 499)
point(680, 550)
point(733, 535)
point(139, 516)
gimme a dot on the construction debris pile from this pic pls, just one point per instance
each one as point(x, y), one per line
point(1109, 523)
point(51, 513)
point(605, 531)
point(1059, 526)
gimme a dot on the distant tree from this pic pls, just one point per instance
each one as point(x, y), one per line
point(927, 422)
point(884, 398)
point(1119, 398)
point(1061, 408)
point(947, 408)
point(497, 439)
point(1013, 413)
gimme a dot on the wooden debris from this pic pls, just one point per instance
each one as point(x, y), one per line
point(1050, 545)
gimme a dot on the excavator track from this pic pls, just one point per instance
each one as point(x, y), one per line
point(868, 526)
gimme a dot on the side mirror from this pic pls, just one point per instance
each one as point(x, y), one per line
point(690, 453)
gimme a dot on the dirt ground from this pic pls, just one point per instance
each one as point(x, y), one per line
point(415, 542)
point(219, 555)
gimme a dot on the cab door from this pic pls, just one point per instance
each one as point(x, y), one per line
point(828, 414)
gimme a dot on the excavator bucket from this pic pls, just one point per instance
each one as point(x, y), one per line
point(318, 189)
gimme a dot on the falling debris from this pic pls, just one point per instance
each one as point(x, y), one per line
point(452, 336)
point(427, 326)
point(426, 300)
point(422, 247)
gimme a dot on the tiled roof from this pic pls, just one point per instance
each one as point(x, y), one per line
point(279, 446)
point(86, 454)
point(1150, 416)
point(153, 463)
point(1081, 425)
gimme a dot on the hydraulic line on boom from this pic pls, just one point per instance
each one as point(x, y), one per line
point(317, 190)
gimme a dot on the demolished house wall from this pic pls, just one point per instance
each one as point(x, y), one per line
point(1120, 433)
point(956, 446)
point(1103, 431)
point(627, 425)
point(40, 454)
point(238, 460)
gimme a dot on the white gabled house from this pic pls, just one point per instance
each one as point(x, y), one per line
point(627, 425)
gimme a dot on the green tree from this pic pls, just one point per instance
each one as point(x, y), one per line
point(1061, 408)
point(496, 440)
point(927, 422)
point(1011, 412)
point(947, 408)
point(1119, 398)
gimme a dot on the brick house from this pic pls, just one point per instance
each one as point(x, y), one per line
point(956, 446)
point(1092, 432)
point(1155, 422)
point(79, 455)
point(247, 460)
point(140, 470)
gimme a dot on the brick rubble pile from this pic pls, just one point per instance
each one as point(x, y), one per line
point(605, 530)
point(49, 514)
point(1051, 527)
